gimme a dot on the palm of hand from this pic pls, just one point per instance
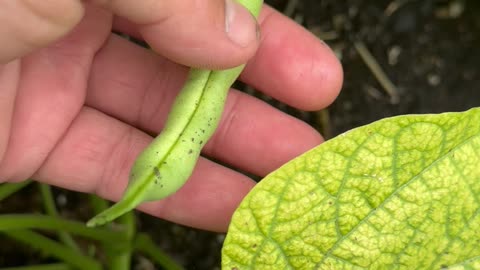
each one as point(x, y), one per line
point(85, 105)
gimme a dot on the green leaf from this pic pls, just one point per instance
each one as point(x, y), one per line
point(401, 193)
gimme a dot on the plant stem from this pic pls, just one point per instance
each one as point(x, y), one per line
point(53, 248)
point(51, 210)
point(32, 221)
point(144, 244)
point(98, 204)
point(120, 256)
point(53, 266)
point(7, 189)
point(377, 71)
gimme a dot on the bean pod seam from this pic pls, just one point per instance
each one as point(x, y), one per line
point(166, 164)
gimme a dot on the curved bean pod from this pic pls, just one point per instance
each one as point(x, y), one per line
point(166, 164)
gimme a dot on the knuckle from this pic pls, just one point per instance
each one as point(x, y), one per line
point(226, 126)
point(30, 24)
point(63, 14)
point(117, 166)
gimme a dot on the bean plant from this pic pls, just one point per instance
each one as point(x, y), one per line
point(400, 193)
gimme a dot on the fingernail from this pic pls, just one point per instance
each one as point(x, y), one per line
point(240, 25)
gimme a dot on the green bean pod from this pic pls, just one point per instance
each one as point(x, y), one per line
point(166, 164)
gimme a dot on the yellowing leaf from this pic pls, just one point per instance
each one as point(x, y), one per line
point(401, 193)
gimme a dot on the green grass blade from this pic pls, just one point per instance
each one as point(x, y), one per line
point(7, 189)
point(53, 248)
point(144, 244)
point(53, 266)
point(32, 221)
point(51, 210)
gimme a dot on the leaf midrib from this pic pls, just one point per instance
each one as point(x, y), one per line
point(390, 196)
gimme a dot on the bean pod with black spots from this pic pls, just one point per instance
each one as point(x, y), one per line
point(166, 164)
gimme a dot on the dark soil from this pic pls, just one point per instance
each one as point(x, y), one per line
point(427, 48)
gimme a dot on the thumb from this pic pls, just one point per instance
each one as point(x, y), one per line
point(26, 25)
point(209, 34)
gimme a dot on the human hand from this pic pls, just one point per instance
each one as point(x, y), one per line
point(77, 103)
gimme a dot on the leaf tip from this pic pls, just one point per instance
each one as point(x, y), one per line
point(110, 214)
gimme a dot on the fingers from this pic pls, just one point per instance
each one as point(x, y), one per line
point(245, 136)
point(9, 80)
point(210, 34)
point(26, 25)
point(292, 65)
point(257, 138)
point(148, 109)
point(50, 92)
point(138, 85)
point(95, 156)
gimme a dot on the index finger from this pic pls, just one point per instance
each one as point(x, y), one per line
point(291, 64)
